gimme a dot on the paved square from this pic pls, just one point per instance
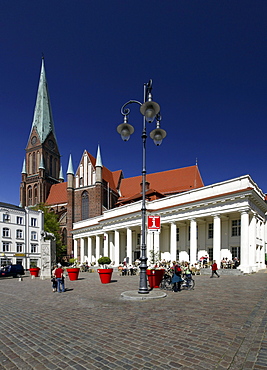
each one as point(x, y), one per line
point(219, 325)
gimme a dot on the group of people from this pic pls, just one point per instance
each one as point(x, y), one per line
point(230, 264)
point(179, 271)
point(58, 279)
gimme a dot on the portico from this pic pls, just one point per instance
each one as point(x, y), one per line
point(223, 220)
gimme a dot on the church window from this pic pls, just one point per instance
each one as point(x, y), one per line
point(55, 168)
point(85, 205)
point(64, 236)
point(51, 165)
point(30, 195)
point(105, 194)
point(30, 164)
point(35, 194)
point(33, 162)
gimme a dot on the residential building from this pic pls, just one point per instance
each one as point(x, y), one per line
point(20, 235)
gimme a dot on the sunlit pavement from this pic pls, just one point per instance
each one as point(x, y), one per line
point(219, 325)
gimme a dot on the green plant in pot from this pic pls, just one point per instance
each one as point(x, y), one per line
point(104, 262)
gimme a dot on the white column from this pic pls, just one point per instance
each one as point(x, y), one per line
point(106, 254)
point(156, 246)
point(117, 247)
point(75, 248)
point(252, 243)
point(97, 247)
point(82, 250)
point(217, 239)
point(244, 241)
point(173, 241)
point(129, 245)
point(89, 249)
point(193, 241)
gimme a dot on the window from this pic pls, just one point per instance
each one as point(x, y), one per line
point(30, 195)
point(33, 222)
point(177, 235)
point(19, 220)
point(210, 252)
point(35, 194)
point(85, 205)
point(6, 217)
point(19, 247)
point(34, 248)
point(210, 231)
point(33, 235)
point(236, 227)
point(236, 253)
point(6, 232)
point(19, 234)
point(5, 247)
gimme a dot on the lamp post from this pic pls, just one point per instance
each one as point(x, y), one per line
point(150, 111)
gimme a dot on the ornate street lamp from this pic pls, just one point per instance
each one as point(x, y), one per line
point(150, 110)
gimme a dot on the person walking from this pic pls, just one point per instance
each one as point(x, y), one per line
point(214, 269)
point(60, 278)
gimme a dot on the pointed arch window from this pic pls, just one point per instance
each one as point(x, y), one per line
point(33, 162)
point(85, 205)
point(51, 165)
point(35, 194)
point(30, 195)
point(30, 164)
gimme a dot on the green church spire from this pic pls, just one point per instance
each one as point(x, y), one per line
point(43, 119)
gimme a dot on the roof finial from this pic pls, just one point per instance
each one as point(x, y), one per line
point(196, 161)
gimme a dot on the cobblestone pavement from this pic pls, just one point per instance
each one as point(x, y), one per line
point(219, 325)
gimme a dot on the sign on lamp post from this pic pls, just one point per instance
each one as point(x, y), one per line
point(153, 223)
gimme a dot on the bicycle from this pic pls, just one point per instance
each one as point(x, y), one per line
point(166, 283)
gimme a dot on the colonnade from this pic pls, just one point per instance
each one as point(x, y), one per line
point(121, 243)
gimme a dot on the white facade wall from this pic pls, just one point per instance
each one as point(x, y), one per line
point(222, 220)
point(21, 244)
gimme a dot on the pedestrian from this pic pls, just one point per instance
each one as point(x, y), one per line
point(60, 278)
point(54, 281)
point(214, 269)
point(176, 279)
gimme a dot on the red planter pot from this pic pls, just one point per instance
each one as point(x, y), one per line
point(105, 275)
point(155, 277)
point(34, 271)
point(73, 273)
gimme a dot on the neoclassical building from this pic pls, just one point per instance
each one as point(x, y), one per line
point(223, 220)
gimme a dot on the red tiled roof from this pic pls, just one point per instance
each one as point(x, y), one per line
point(57, 194)
point(167, 182)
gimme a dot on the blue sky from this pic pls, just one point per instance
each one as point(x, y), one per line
point(207, 60)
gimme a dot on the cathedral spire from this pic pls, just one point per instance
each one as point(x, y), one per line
point(98, 158)
point(43, 119)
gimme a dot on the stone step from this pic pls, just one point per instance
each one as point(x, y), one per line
point(234, 272)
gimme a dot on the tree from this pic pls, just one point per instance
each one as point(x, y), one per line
point(51, 225)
